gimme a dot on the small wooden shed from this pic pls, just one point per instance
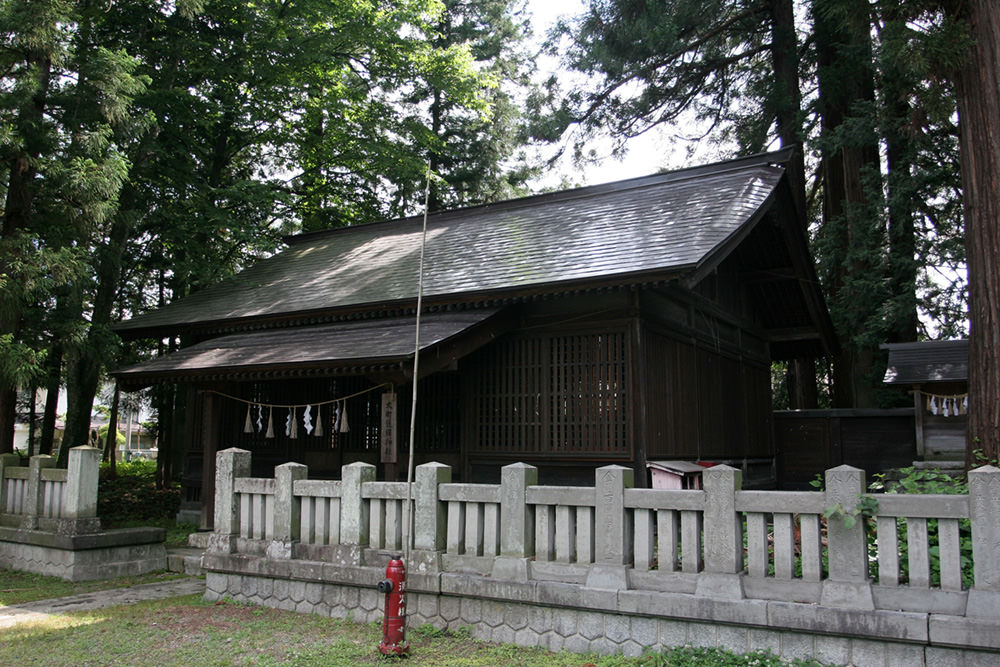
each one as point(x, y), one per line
point(617, 323)
point(937, 374)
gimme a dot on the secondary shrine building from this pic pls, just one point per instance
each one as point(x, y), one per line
point(618, 323)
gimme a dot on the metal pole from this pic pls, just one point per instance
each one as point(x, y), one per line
point(408, 508)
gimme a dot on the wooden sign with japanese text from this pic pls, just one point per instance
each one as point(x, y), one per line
point(389, 427)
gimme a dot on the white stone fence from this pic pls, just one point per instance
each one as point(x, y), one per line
point(841, 576)
point(719, 543)
point(40, 496)
point(49, 523)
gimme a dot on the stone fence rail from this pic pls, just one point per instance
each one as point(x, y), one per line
point(40, 496)
point(49, 523)
point(749, 561)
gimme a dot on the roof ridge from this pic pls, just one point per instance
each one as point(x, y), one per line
point(774, 158)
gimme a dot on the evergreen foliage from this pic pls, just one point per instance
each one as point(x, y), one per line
point(150, 148)
point(864, 87)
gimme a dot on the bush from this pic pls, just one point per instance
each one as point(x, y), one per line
point(915, 480)
point(102, 436)
point(133, 495)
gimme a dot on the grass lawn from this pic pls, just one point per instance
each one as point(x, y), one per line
point(189, 631)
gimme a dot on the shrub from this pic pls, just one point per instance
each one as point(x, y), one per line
point(925, 481)
point(132, 494)
point(102, 436)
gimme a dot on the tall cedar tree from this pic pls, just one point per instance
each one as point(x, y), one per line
point(63, 98)
point(852, 234)
point(479, 159)
point(664, 63)
point(979, 109)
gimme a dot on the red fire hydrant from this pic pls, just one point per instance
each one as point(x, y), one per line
point(394, 626)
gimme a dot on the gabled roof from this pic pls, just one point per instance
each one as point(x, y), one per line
point(927, 361)
point(645, 229)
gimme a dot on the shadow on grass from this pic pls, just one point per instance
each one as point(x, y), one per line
point(190, 631)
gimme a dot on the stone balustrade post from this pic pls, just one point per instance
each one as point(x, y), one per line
point(613, 537)
point(287, 509)
point(354, 519)
point(723, 534)
point(848, 584)
point(430, 517)
point(79, 512)
point(229, 464)
point(517, 522)
point(9, 460)
point(984, 510)
point(723, 524)
point(33, 501)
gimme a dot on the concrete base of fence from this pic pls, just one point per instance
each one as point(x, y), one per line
point(82, 557)
point(574, 617)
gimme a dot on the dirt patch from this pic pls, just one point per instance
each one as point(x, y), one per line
point(220, 617)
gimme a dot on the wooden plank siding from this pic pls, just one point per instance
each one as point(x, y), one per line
point(705, 405)
point(811, 441)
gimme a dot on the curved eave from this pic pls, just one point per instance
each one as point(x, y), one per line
point(367, 347)
point(401, 307)
point(264, 372)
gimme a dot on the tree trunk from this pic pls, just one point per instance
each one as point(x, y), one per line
point(111, 442)
point(979, 109)
point(785, 58)
point(800, 377)
point(33, 421)
point(8, 419)
point(76, 430)
point(52, 388)
point(165, 396)
point(897, 88)
point(803, 390)
point(846, 79)
point(85, 370)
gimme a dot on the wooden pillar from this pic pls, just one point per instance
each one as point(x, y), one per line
point(639, 427)
point(209, 435)
point(918, 417)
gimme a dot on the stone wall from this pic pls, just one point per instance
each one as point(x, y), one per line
point(102, 555)
point(497, 611)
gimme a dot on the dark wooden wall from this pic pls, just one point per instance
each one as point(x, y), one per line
point(811, 441)
point(707, 377)
point(704, 405)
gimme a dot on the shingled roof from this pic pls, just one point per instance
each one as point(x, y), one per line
point(651, 228)
point(363, 346)
point(927, 361)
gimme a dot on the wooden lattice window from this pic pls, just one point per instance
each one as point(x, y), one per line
point(438, 414)
point(553, 395)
